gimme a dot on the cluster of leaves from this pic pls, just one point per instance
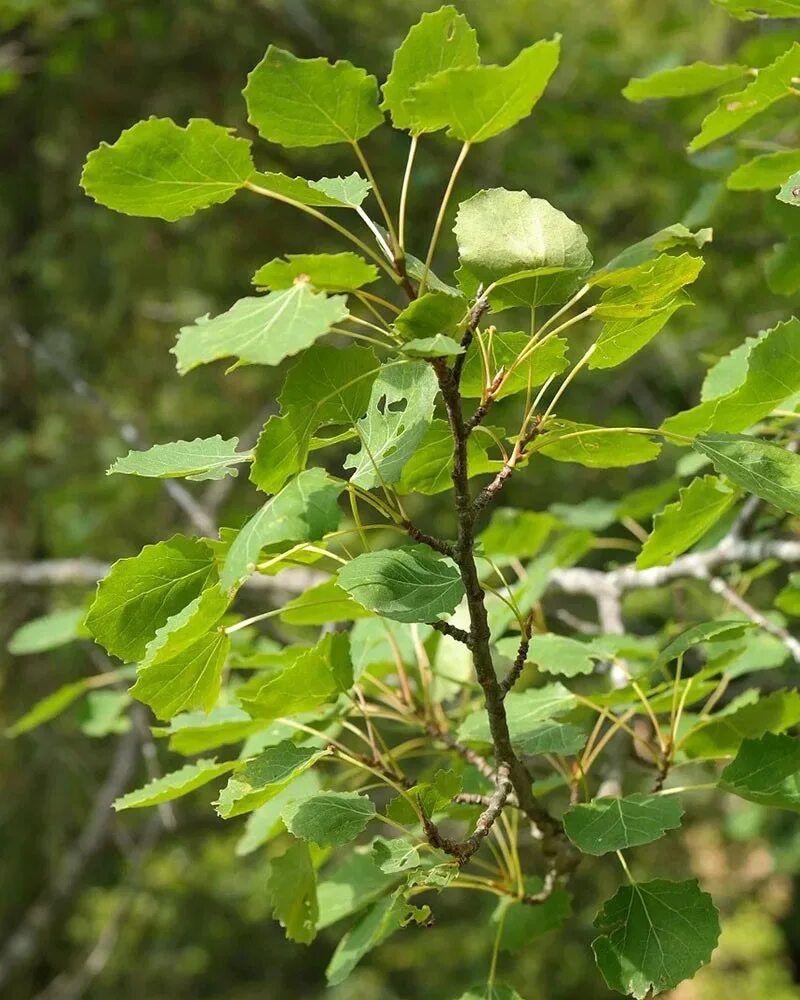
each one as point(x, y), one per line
point(748, 92)
point(426, 708)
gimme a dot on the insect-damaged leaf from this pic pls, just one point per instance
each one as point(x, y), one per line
point(399, 413)
point(203, 458)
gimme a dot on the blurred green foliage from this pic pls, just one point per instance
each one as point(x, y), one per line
point(100, 297)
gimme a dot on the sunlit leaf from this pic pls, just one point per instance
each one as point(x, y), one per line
point(260, 331)
point(478, 102)
point(327, 272)
point(772, 83)
point(160, 170)
point(439, 40)
point(760, 467)
point(202, 458)
point(698, 508)
point(682, 81)
point(174, 785)
point(310, 102)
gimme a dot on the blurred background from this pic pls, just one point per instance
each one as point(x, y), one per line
point(90, 303)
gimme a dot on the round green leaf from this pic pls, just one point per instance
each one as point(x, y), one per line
point(160, 170)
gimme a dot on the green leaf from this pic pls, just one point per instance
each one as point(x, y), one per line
point(501, 232)
point(186, 627)
point(476, 103)
point(408, 584)
point(196, 732)
point(558, 654)
point(262, 777)
point(48, 708)
point(747, 10)
point(327, 192)
point(525, 711)
point(381, 920)
point(174, 785)
point(620, 339)
point(723, 735)
point(760, 467)
point(773, 83)
point(304, 511)
point(655, 935)
point(655, 244)
point(203, 458)
point(766, 771)
point(646, 288)
point(48, 632)
point(683, 81)
point(609, 824)
point(517, 534)
point(716, 631)
point(773, 375)
point(788, 600)
point(396, 855)
point(765, 172)
point(260, 331)
point(432, 347)
point(429, 469)
point(680, 525)
point(549, 737)
point(399, 413)
point(310, 102)
point(432, 313)
point(159, 170)
point(326, 385)
point(524, 923)
point(548, 358)
point(329, 819)
point(189, 679)
point(317, 676)
point(790, 191)
point(322, 605)
point(292, 888)
point(354, 883)
point(594, 447)
point(440, 40)
point(730, 372)
point(327, 272)
point(265, 823)
point(142, 593)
